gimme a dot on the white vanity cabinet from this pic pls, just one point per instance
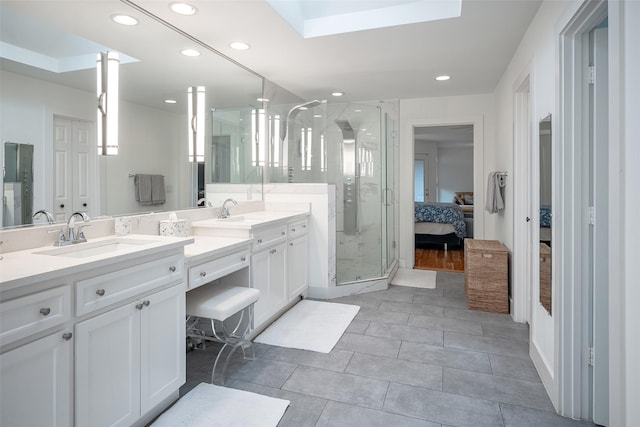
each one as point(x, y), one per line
point(268, 263)
point(297, 259)
point(130, 359)
point(36, 374)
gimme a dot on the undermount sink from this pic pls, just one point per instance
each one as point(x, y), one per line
point(82, 250)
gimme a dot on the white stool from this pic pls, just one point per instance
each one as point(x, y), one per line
point(218, 303)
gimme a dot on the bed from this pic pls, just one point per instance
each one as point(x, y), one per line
point(440, 223)
point(545, 224)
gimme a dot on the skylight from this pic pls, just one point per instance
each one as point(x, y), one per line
point(325, 17)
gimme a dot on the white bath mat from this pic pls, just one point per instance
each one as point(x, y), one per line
point(415, 278)
point(310, 325)
point(210, 405)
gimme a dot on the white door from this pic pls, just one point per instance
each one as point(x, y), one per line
point(278, 277)
point(260, 281)
point(108, 368)
point(599, 233)
point(35, 386)
point(162, 338)
point(74, 168)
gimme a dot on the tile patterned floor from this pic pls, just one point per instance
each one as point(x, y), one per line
point(411, 357)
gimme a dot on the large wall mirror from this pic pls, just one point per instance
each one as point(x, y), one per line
point(545, 212)
point(48, 88)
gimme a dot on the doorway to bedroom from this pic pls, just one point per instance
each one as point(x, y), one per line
point(443, 195)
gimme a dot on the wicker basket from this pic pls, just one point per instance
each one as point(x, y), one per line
point(545, 276)
point(486, 275)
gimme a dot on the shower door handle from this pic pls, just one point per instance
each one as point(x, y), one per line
point(388, 197)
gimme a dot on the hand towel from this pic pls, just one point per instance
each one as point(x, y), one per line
point(142, 184)
point(494, 201)
point(157, 189)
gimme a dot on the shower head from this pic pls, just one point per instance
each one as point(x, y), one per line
point(348, 135)
point(296, 109)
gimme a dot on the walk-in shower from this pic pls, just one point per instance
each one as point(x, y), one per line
point(352, 147)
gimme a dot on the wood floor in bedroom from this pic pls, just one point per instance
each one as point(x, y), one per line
point(434, 257)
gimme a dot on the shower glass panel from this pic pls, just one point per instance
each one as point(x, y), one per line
point(352, 146)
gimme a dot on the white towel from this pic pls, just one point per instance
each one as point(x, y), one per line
point(494, 194)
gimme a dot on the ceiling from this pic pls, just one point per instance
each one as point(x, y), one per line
point(393, 62)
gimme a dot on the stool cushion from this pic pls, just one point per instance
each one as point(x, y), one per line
point(219, 302)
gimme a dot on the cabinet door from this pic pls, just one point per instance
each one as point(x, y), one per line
point(297, 254)
point(36, 383)
point(278, 277)
point(260, 280)
point(108, 368)
point(162, 351)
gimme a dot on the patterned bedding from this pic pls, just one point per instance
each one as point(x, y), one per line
point(545, 216)
point(443, 213)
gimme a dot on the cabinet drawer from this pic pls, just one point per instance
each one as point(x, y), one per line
point(264, 238)
point(30, 314)
point(212, 270)
point(297, 228)
point(98, 292)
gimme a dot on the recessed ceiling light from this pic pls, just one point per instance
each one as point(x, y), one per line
point(190, 52)
point(239, 46)
point(443, 78)
point(170, 101)
point(337, 94)
point(357, 111)
point(317, 116)
point(124, 19)
point(183, 8)
point(263, 99)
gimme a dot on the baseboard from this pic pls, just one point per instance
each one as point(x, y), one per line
point(545, 374)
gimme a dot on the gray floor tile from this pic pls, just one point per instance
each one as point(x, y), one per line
point(441, 356)
point(362, 301)
point(396, 370)
point(456, 293)
point(341, 415)
point(382, 316)
point(443, 324)
point(406, 333)
point(395, 293)
point(486, 344)
point(456, 302)
point(514, 367)
point(428, 291)
point(336, 360)
point(346, 388)
point(412, 308)
point(498, 389)
point(358, 326)
point(505, 331)
point(480, 316)
point(369, 345)
point(303, 411)
point(515, 416)
point(441, 407)
point(267, 372)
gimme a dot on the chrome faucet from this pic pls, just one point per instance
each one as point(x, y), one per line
point(50, 218)
point(224, 211)
point(207, 203)
point(78, 237)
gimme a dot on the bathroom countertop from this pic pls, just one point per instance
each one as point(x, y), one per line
point(251, 220)
point(22, 268)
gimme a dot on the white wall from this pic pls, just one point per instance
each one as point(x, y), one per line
point(455, 172)
point(151, 141)
point(431, 150)
point(478, 110)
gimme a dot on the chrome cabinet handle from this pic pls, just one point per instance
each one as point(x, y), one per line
point(259, 240)
point(293, 229)
point(290, 243)
point(273, 251)
point(139, 306)
point(45, 311)
point(146, 303)
point(172, 269)
point(202, 274)
point(67, 336)
point(243, 259)
point(283, 233)
point(304, 226)
point(100, 292)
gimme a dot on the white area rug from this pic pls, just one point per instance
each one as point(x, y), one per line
point(210, 405)
point(310, 325)
point(415, 278)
